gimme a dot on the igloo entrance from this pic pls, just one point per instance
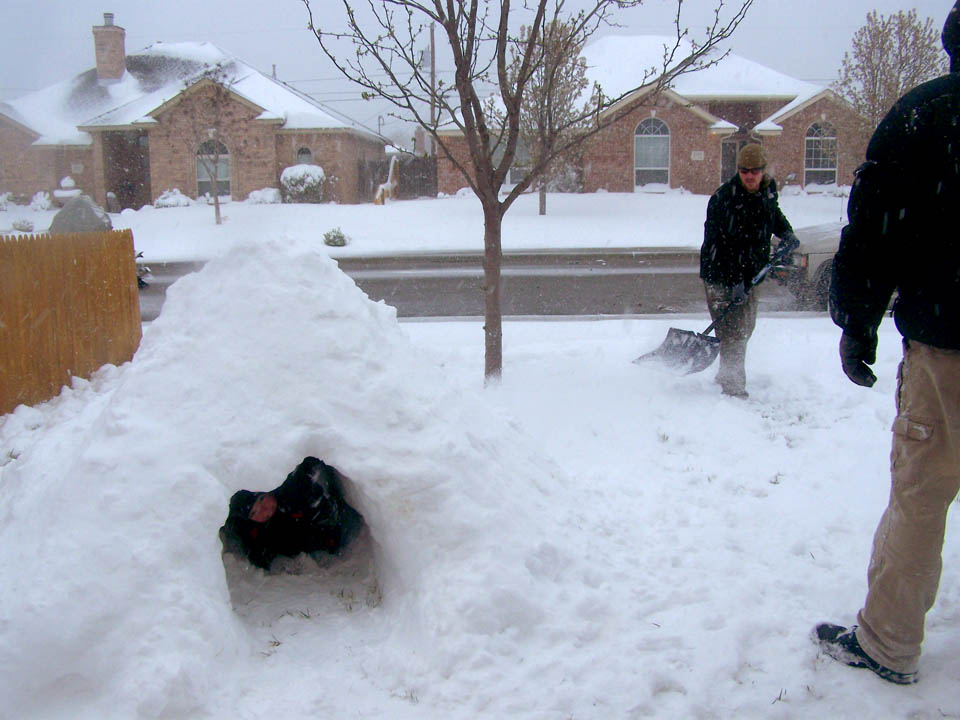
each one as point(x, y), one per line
point(305, 528)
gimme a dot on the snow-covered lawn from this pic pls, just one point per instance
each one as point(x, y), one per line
point(589, 539)
point(672, 219)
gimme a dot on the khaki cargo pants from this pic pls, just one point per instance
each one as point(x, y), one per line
point(904, 572)
point(734, 331)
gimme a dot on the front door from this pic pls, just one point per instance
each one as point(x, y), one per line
point(126, 167)
point(729, 149)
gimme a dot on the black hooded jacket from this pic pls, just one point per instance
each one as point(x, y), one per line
point(904, 220)
point(736, 234)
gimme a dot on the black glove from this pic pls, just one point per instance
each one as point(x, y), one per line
point(855, 354)
point(738, 295)
point(784, 251)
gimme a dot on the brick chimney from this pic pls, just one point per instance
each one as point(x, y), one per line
point(108, 42)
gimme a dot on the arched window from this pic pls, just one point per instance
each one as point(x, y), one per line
point(820, 155)
point(651, 152)
point(213, 161)
point(304, 156)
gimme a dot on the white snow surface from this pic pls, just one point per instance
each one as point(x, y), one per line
point(587, 539)
point(673, 218)
point(618, 63)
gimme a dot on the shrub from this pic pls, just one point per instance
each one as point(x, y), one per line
point(335, 238)
point(172, 198)
point(4, 201)
point(267, 196)
point(302, 184)
point(23, 225)
point(41, 201)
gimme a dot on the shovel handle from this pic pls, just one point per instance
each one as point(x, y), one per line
point(757, 279)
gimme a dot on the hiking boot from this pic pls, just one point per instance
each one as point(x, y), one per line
point(736, 392)
point(841, 644)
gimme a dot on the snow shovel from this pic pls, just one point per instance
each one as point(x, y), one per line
point(690, 352)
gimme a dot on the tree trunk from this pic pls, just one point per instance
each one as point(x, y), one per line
point(493, 319)
point(216, 190)
point(543, 197)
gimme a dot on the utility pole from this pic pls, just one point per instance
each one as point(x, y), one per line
point(433, 89)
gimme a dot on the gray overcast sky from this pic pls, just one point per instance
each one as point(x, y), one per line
point(45, 41)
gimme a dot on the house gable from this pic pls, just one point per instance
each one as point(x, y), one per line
point(787, 148)
point(208, 88)
point(694, 145)
point(181, 126)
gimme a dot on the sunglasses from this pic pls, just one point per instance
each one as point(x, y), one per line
point(752, 171)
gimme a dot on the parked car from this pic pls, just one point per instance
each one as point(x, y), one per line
point(808, 277)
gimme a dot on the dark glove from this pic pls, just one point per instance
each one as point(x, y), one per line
point(738, 295)
point(855, 354)
point(784, 251)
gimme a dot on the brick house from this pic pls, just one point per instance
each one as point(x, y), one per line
point(137, 125)
point(688, 136)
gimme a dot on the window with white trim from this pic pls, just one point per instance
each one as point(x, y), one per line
point(820, 155)
point(304, 156)
point(651, 152)
point(213, 158)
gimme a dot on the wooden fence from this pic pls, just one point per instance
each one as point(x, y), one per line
point(68, 305)
point(417, 176)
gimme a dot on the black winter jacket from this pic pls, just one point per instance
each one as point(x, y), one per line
point(736, 235)
point(904, 220)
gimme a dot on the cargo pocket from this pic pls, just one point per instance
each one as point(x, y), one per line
point(908, 433)
point(912, 429)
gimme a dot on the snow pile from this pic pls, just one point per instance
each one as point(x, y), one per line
point(171, 199)
point(41, 201)
point(266, 196)
point(286, 359)
point(296, 175)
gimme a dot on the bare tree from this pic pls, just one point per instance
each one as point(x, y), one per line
point(888, 57)
point(382, 38)
point(207, 118)
point(558, 82)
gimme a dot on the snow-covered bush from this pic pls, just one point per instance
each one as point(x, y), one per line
point(41, 201)
point(67, 191)
point(335, 238)
point(565, 179)
point(22, 225)
point(172, 198)
point(4, 201)
point(302, 184)
point(267, 196)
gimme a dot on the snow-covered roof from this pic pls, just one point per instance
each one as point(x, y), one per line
point(62, 114)
point(770, 125)
point(618, 63)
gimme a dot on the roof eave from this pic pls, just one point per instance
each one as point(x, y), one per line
point(682, 100)
point(825, 94)
point(330, 131)
point(26, 128)
point(714, 97)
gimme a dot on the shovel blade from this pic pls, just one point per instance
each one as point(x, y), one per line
point(685, 351)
